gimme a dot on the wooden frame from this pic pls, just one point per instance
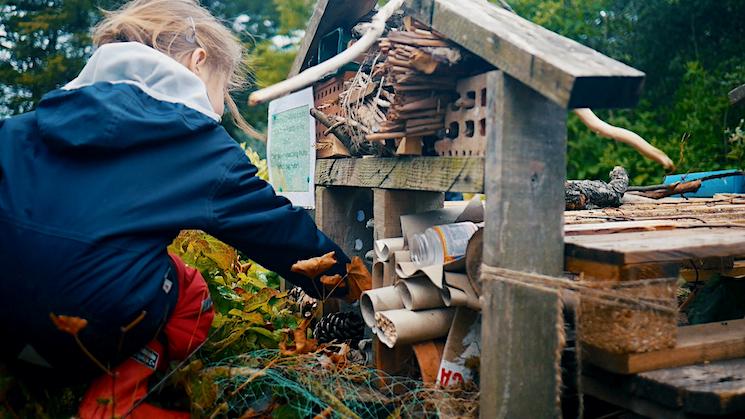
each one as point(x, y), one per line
point(540, 76)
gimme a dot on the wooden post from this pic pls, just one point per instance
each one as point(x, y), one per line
point(524, 176)
point(342, 214)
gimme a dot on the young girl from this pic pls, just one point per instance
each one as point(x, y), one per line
point(101, 177)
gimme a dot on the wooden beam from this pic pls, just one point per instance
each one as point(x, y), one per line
point(520, 376)
point(658, 246)
point(437, 174)
point(342, 214)
point(569, 73)
point(696, 344)
point(327, 15)
point(525, 171)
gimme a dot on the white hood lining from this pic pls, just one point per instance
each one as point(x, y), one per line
point(155, 73)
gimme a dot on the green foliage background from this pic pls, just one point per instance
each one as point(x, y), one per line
point(692, 52)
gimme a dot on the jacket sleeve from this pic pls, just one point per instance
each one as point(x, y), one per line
point(247, 214)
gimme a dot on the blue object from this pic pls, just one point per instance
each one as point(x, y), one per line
point(729, 184)
point(98, 181)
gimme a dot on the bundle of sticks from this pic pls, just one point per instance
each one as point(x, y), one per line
point(419, 73)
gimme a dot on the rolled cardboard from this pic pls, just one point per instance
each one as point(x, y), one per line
point(384, 248)
point(400, 327)
point(379, 299)
point(377, 274)
point(419, 294)
point(458, 292)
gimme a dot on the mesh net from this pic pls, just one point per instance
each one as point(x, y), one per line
point(263, 383)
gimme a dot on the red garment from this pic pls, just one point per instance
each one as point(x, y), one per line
point(190, 321)
point(184, 331)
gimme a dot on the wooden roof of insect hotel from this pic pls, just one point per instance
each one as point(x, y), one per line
point(565, 71)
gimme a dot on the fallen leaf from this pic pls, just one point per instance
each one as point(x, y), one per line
point(302, 345)
point(313, 267)
point(358, 278)
point(333, 281)
point(68, 324)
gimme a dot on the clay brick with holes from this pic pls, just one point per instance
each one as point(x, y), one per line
point(466, 121)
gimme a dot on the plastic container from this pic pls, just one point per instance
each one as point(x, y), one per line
point(730, 184)
point(441, 244)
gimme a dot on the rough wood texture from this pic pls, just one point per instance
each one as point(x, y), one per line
point(525, 172)
point(390, 205)
point(696, 344)
point(591, 270)
point(522, 333)
point(716, 388)
point(525, 169)
point(570, 74)
point(658, 246)
point(342, 214)
point(327, 15)
point(440, 174)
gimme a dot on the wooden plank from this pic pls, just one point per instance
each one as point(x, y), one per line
point(569, 73)
point(592, 270)
point(440, 174)
point(658, 246)
point(327, 15)
point(619, 227)
point(716, 388)
point(521, 375)
point(525, 171)
point(611, 391)
point(696, 344)
point(390, 205)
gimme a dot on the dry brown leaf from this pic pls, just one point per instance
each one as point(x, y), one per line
point(68, 324)
point(302, 345)
point(333, 281)
point(358, 278)
point(313, 267)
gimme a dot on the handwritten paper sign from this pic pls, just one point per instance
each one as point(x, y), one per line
point(291, 152)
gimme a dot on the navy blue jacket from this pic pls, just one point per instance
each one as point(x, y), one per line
point(95, 184)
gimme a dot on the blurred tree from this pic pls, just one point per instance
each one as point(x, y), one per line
point(692, 54)
point(44, 44)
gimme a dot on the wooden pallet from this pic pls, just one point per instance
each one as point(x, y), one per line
point(696, 344)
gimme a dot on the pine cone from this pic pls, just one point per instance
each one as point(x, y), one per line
point(304, 304)
point(342, 327)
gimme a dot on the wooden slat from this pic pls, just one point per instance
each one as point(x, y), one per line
point(619, 227)
point(695, 344)
point(570, 74)
point(716, 388)
point(658, 246)
point(327, 15)
point(439, 174)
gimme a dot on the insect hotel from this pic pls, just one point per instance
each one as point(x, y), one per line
point(426, 97)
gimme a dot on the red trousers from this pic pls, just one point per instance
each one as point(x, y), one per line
point(116, 393)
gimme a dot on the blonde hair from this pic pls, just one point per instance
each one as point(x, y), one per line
point(177, 28)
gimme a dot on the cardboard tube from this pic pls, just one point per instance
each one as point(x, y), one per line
point(458, 292)
point(377, 274)
point(419, 294)
point(400, 327)
point(379, 299)
point(384, 248)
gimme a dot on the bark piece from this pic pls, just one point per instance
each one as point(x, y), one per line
point(590, 194)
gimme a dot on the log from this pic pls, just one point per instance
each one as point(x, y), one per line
point(589, 194)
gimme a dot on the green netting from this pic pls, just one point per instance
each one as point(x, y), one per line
point(264, 384)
